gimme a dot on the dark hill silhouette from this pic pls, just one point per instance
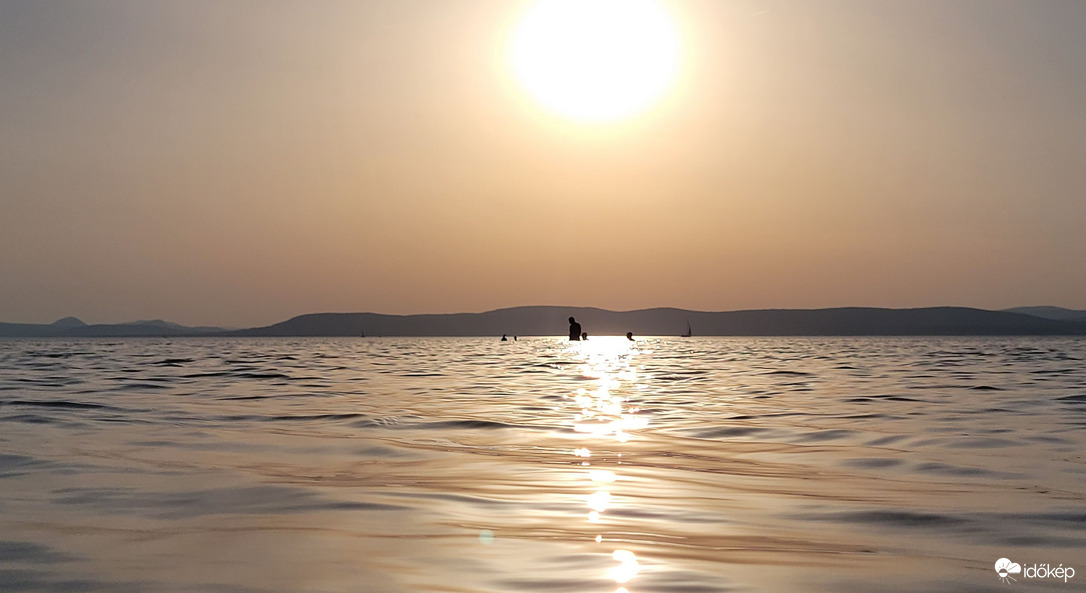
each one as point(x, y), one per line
point(1048, 312)
point(69, 322)
point(71, 327)
point(551, 321)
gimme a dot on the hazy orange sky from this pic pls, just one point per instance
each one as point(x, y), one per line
point(238, 163)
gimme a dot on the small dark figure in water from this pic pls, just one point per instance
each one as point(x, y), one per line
point(584, 336)
point(514, 338)
point(504, 339)
point(574, 329)
point(629, 336)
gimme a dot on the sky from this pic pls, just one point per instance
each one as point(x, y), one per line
point(238, 163)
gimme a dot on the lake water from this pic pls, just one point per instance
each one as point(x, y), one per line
point(665, 465)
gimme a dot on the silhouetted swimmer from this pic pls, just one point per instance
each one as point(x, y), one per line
point(629, 336)
point(584, 336)
point(574, 329)
point(514, 338)
point(504, 339)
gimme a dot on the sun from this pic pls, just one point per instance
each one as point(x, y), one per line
point(596, 60)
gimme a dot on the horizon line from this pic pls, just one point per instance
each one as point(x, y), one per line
point(483, 312)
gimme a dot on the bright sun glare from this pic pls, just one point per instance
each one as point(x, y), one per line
point(596, 60)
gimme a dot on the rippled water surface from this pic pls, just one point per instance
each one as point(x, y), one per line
point(672, 465)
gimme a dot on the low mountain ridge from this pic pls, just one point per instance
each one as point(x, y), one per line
point(68, 322)
point(551, 321)
point(1050, 312)
point(72, 327)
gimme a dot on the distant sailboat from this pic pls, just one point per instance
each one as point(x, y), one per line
point(689, 332)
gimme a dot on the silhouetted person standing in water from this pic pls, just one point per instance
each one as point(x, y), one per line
point(574, 330)
point(629, 336)
point(505, 339)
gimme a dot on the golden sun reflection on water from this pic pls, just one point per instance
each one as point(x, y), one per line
point(603, 411)
point(449, 466)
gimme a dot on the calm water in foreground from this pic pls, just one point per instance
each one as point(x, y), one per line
point(667, 465)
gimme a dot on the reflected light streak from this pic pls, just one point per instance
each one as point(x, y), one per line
point(628, 567)
point(599, 500)
point(617, 426)
point(605, 412)
point(601, 475)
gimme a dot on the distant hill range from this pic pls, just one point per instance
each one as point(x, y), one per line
point(1049, 312)
point(71, 327)
point(551, 321)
